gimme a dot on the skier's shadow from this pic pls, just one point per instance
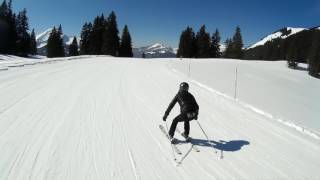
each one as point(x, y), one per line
point(231, 146)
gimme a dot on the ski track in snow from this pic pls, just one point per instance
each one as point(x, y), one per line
point(98, 118)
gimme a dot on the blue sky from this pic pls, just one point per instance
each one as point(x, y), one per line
point(152, 21)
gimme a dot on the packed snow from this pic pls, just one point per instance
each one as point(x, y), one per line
point(269, 88)
point(276, 35)
point(98, 118)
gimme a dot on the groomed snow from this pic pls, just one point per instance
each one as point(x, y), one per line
point(98, 117)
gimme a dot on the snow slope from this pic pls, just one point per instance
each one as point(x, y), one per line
point(270, 88)
point(97, 118)
point(277, 34)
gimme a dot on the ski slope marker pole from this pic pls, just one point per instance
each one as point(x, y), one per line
point(207, 138)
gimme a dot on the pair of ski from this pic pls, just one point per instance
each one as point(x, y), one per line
point(174, 146)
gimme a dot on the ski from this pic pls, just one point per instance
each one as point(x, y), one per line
point(163, 130)
point(194, 147)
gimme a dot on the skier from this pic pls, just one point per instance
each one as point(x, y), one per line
point(189, 110)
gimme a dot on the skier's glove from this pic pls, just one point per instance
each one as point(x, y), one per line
point(165, 117)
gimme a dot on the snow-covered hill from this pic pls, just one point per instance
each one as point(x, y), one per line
point(42, 41)
point(156, 50)
point(282, 33)
point(98, 117)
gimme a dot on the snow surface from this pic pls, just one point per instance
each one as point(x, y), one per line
point(98, 117)
point(277, 35)
point(269, 88)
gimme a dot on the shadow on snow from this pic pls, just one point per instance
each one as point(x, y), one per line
point(231, 146)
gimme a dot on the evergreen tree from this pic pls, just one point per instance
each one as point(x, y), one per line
point(73, 48)
point(33, 43)
point(292, 55)
point(237, 45)
point(215, 45)
point(126, 44)
point(52, 44)
point(143, 55)
point(96, 35)
point(23, 37)
point(55, 47)
point(111, 38)
point(203, 43)
point(4, 29)
point(227, 52)
point(7, 29)
point(60, 49)
point(85, 39)
point(187, 44)
point(314, 55)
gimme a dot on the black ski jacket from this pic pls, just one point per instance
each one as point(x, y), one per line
point(186, 101)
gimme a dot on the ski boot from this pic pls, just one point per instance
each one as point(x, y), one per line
point(188, 139)
point(172, 140)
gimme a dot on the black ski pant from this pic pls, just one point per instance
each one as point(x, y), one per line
point(183, 117)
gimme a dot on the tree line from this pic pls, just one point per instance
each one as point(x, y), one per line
point(98, 38)
point(302, 47)
point(202, 45)
point(102, 38)
point(15, 38)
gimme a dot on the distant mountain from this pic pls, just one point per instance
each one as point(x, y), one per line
point(282, 33)
point(42, 41)
point(157, 50)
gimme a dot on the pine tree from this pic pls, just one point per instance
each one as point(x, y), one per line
point(237, 45)
point(111, 38)
point(23, 37)
point(73, 48)
point(215, 45)
point(187, 44)
point(4, 30)
point(292, 55)
point(33, 43)
point(96, 35)
point(8, 28)
point(60, 49)
point(85, 39)
point(314, 55)
point(52, 44)
point(126, 44)
point(227, 52)
point(143, 55)
point(55, 47)
point(203, 43)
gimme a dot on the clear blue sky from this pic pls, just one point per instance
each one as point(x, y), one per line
point(153, 21)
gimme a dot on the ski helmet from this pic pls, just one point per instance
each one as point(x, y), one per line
point(184, 86)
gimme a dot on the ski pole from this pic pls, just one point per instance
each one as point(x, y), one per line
point(174, 156)
point(207, 137)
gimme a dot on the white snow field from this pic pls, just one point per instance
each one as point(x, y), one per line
point(97, 118)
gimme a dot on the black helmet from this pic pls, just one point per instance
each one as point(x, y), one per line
point(184, 86)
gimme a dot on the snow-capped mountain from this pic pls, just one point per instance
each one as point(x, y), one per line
point(42, 41)
point(156, 50)
point(282, 33)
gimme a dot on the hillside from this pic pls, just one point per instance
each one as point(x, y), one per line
point(287, 43)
